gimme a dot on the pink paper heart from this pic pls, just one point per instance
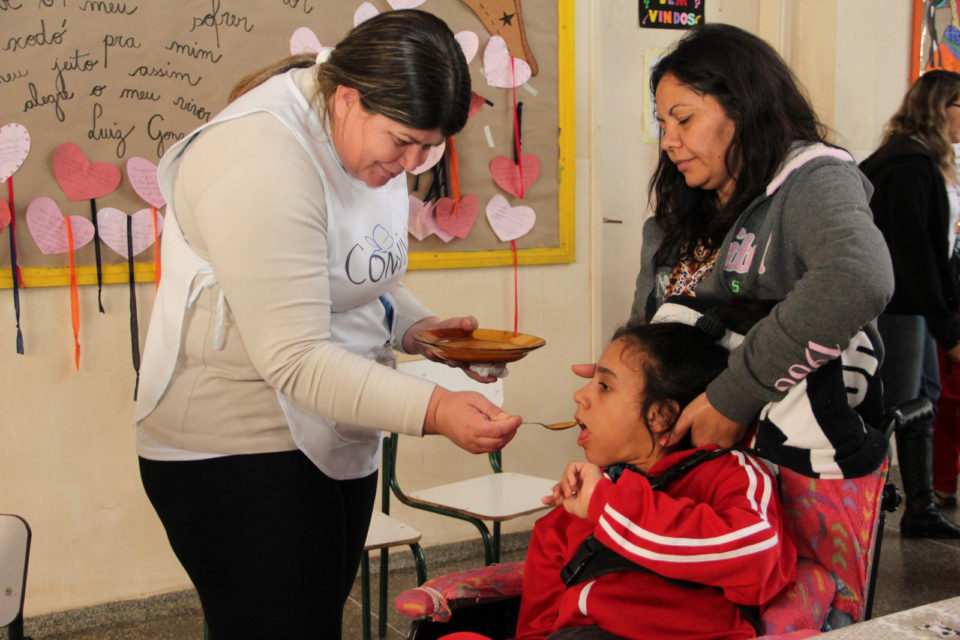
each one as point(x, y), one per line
point(418, 221)
point(469, 42)
point(457, 222)
point(4, 215)
point(112, 226)
point(363, 13)
point(405, 4)
point(14, 147)
point(500, 68)
point(509, 223)
point(142, 175)
point(81, 179)
point(433, 157)
point(476, 101)
point(507, 174)
point(304, 40)
point(49, 228)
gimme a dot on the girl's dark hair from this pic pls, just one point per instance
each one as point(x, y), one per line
point(760, 94)
point(406, 65)
point(678, 362)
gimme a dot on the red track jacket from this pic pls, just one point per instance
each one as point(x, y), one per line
point(720, 525)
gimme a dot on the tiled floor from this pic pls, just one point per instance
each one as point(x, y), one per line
point(912, 572)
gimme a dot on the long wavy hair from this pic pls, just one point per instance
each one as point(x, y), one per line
point(923, 113)
point(770, 113)
point(405, 65)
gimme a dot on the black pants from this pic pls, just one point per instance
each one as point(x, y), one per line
point(271, 544)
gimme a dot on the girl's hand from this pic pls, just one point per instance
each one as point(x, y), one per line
point(706, 426)
point(577, 485)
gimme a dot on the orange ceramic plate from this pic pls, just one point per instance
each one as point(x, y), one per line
point(478, 346)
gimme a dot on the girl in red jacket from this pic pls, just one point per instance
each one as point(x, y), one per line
point(646, 541)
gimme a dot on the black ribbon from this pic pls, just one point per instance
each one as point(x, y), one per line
point(134, 328)
point(96, 249)
point(16, 286)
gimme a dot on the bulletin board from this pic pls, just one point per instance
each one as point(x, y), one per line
point(936, 37)
point(125, 79)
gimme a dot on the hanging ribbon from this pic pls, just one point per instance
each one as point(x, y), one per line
point(454, 173)
point(156, 248)
point(74, 295)
point(96, 251)
point(134, 328)
point(15, 275)
point(516, 158)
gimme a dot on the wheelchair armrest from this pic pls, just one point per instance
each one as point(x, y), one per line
point(437, 598)
point(906, 413)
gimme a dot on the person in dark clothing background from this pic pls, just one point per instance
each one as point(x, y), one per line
point(910, 172)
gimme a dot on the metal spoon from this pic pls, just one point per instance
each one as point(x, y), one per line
point(555, 426)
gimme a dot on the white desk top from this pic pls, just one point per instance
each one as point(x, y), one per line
point(495, 496)
point(942, 618)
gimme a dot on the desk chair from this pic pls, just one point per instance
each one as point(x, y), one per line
point(14, 552)
point(494, 497)
point(385, 532)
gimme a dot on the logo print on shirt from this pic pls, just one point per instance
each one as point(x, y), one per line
point(741, 253)
point(381, 258)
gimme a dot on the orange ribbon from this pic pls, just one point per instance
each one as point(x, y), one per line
point(156, 248)
point(74, 297)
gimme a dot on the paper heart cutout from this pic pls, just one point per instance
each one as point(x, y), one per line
point(49, 228)
point(405, 4)
point(142, 175)
point(304, 40)
point(469, 42)
point(433, 157)
point(509, 223)
point(363, 13)
point(457, 222)
point(81, 179)
point(500, 68)
point(112, 227)
point(14, 147)
point(4, 215)
point(417, 221)
point(507, 174)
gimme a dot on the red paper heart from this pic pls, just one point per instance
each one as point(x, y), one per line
point(81, 179)
point(4, 215)
point(507, 174)
point(457, 222)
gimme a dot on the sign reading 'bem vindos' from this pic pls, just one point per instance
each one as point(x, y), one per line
point(671, 14)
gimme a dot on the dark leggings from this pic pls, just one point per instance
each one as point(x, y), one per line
point(271, 544)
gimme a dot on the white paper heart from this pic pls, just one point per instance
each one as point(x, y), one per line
point(14, 147)
point(433, 157)
point(500, 68)
point(304, 40)
point(142, 175)
point(405, 4)
point(509, 223)
point(363, 13)
point(469, 42)
point(418, 221)
point(112, 227)
point(48, 227)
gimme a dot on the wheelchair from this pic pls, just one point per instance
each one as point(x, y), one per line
point(838, 529)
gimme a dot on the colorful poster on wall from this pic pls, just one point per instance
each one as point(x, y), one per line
point(671, 14)
point(936, 37)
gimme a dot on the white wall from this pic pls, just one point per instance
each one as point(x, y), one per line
point(67, 461)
